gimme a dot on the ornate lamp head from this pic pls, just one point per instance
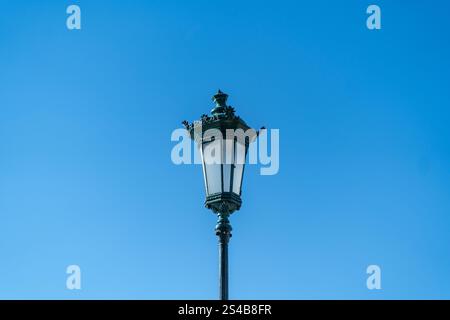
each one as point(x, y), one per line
point(223, 139)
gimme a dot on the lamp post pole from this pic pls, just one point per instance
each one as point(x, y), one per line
point(223, 178)
point(223, 231)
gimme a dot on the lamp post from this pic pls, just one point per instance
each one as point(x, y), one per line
point(223, 140)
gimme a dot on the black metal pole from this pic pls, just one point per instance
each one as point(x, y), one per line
point(223, 231)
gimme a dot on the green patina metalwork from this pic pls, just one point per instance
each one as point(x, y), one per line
point(223, 204)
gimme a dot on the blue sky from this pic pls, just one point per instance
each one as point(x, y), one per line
point(86, 176)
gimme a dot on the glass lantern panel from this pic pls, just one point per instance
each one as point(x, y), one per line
point(226, 177)
point(238, 167)
point(227, 160)
point(200, 147)
point(212, 155)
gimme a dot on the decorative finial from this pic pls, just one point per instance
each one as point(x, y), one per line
point(220, 99)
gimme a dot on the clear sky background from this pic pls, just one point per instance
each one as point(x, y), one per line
point(86, 176)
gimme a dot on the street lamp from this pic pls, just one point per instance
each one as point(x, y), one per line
point(223, 140)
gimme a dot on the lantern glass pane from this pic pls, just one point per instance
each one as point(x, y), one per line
point(227, 160)
point(226, 177)
point(212, 157)
point(200, 147)
point(238, 167)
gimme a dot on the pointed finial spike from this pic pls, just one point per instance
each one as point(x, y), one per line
point(220, 99)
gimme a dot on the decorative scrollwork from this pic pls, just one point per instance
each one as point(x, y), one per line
point(229, 112)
